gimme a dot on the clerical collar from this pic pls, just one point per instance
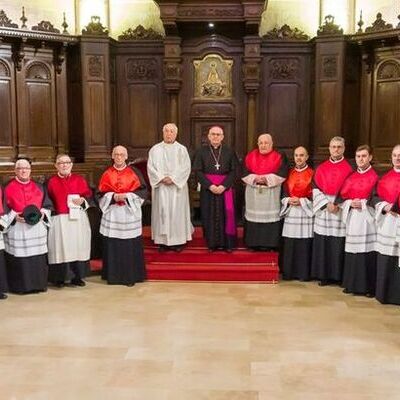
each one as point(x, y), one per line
point(363, 171)
point(301, 169)
point(216, 148)
point(63, 176)
point(24, 183)
point(396, 170)
point(335, 161)
point(121, 168)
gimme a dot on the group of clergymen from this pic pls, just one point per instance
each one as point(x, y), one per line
point(340, 224)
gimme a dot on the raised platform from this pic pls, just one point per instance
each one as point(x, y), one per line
point(196, 263)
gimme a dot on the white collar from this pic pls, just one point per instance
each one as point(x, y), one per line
point(335, 161)
point(363, 171)
point(120, 169)
point(301, 169)
point(23, 183)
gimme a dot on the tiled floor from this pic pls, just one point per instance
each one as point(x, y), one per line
point(192, 341)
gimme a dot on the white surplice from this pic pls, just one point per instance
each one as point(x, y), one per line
point(170, 211)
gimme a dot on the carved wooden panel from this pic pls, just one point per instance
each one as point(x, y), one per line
point(39, 114)
point(143, 116)
point(284, 115)
point(385, 118)
point(284, 100)
point(6, 105)
point(97, 114)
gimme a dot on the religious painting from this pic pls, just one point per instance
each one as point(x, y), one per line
point(213, 78)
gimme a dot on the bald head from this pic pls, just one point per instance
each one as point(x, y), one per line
point(300, 156)
point(265, 143)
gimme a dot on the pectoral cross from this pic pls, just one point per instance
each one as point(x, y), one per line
point(217, 165)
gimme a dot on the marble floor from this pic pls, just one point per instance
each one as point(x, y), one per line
point(198, 341)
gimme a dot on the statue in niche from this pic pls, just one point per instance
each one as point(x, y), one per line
point(213, 78)
point(213, 86)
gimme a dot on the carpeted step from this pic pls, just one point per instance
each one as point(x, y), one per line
point(213, 272)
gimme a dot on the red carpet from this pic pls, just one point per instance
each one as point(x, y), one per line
point(195, 263)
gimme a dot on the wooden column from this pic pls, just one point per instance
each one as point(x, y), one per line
point(95, 69)
point(251, 82)
point(172, 75)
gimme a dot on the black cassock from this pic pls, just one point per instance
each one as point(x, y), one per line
point(220, 161)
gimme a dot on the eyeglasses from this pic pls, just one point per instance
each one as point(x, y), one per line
point(216, 134)
point(64, 162)
point(23, 168)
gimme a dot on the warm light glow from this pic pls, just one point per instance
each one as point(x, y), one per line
point(302, 14)
point(342, 10)
point(389, 9)
point(126, 14)
point(87, 8)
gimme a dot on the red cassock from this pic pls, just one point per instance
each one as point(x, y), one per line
point(359, 186)
point(119, 181)
point(330, 176)
point(19, 195)
point(388, 188)
point(298, 183)
point(59, 188)
point(262, 164)
point(1, 203)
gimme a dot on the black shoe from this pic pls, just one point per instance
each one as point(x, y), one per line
point(59, 284)
point(211, 250)
point(130, 284)
point(323, 282)
point(228, 250)
point(347, 291)
point(178, 248)
point(369, 295)
point(3, 296)
point(78, 282)
point(162, 249)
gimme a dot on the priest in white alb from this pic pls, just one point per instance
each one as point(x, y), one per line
point(169, 168)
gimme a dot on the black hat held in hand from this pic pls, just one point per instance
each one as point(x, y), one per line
point(31, 214)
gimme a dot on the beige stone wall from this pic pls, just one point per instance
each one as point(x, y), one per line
point(389, 9)
point(38, 10)
point(303, 14)
point(126, 14)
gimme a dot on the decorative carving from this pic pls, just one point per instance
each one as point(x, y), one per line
point(209, 110)
point(38, 70)
point(329, 27)
point(379, 25)
point(19, 54)
point(389, 70)
point(210, 12)
point(172, 70)
point(140, 33)
point(64, 25)
point(329, 67)
point(143, 69)
point(23, 19)
point(4, 69)
point(285, 32)
point(251, 71)
point(284, 68)
point(59, 58)
point(113, 73)
point(360, 23)
point(95, 27)
point(398, 25)
point(5, 21)
point(45, 26)
point(213, 77)
point(95, 66)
